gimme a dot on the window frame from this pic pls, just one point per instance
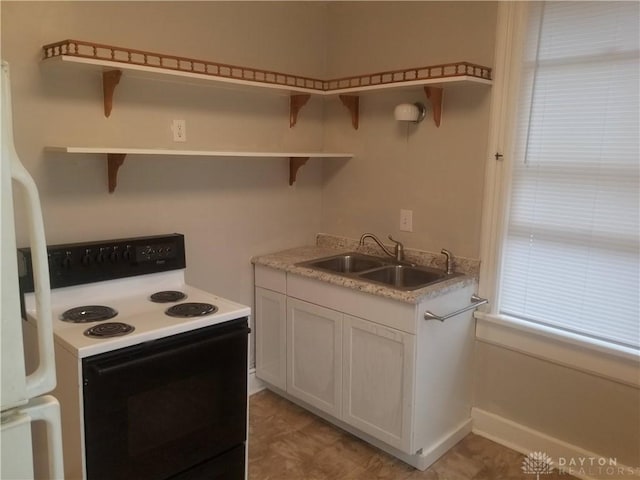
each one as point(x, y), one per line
point(583, 353)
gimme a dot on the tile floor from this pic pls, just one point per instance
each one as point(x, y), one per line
point(288, 443)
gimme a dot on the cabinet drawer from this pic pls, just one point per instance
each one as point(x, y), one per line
point(271, 278)
point(392, 313)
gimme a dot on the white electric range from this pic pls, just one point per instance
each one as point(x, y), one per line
point(131, 299)
point(151, 371)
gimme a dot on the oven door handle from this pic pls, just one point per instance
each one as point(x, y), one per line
point(111, 369)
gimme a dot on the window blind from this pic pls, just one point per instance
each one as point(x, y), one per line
point(571, 252)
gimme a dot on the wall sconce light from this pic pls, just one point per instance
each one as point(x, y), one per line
point(410, 112)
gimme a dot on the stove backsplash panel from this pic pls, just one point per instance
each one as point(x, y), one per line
point(88, 262)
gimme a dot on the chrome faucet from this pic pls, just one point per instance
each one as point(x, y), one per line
point(449, 256)
point(398, 251)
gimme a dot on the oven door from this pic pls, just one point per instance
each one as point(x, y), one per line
point(169, 407)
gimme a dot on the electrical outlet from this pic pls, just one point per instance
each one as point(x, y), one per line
point(406, 220)
point(179, 128)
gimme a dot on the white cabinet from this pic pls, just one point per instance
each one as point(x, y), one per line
point(271, 337)
point(378, 380)
point(314, 350)
point(371, 365)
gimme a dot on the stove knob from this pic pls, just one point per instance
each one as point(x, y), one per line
point(113, 256)
point(100, 257)
point(66, 261)
point(127, 254)
point(86, 258)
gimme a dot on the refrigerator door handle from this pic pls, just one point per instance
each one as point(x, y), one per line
point(43, 379)
point(47, 409)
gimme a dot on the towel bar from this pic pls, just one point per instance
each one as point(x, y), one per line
point(476, 301)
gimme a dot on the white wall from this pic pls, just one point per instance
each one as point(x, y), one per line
point(593, 413)
point(229, 209)
point(436, 172)
point(365, 37)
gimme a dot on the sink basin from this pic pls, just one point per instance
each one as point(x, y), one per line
point(346, 263)
point(377, 270)
point(404, 277)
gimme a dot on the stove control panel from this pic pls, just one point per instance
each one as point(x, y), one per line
point(80, 263)
point(156, 252)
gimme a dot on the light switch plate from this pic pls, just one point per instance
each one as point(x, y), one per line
point(406, 220)
point(179, 128)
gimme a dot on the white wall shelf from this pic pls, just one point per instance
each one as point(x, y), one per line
point(114, 61)
point(116, 157)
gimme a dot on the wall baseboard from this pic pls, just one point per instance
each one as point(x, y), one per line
point(255, 384)
point(570, 458)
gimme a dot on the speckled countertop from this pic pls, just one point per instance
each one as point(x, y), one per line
point(328, 245)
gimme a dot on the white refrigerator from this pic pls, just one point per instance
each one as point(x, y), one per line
point(23, 396)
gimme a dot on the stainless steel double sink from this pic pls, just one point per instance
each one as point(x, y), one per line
point(378, 270)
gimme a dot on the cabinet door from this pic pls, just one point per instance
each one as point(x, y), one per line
point(378, 381)
point(271, 337)
point(314, 360)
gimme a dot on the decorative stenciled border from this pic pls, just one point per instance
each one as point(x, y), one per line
point(79, 48)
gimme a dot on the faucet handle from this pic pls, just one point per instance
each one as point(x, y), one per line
point(449, 256)
point(398, 244)
point(399, 249)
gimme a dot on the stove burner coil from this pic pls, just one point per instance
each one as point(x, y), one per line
point(167, 296)
point(88, 313)
point(191, 309)
point(109, 329)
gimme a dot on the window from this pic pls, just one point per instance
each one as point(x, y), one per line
point(567, 253)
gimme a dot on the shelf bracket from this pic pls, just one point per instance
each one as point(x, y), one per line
point(109, 81)
point(434, 94)
point(114, 162)
point(294, 165)
point(352, 102)
point(296, 103)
